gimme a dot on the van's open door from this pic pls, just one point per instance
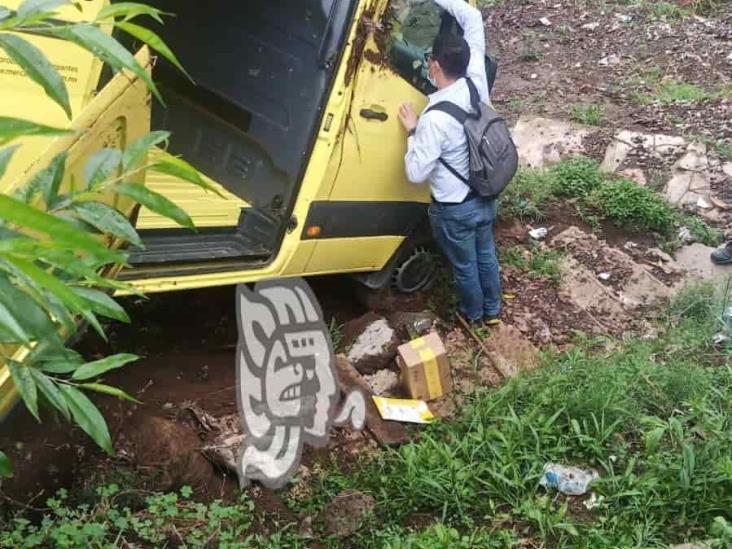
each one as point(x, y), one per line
point(118, 115)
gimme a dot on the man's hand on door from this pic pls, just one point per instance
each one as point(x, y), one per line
point(407, 116)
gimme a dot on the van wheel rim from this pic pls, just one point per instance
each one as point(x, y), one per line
point(415, 273)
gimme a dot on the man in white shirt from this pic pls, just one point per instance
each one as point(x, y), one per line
point(437, 149)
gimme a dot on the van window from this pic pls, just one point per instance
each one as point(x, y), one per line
point(413, 29)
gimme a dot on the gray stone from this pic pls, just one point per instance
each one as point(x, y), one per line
point(657, 145)
point(543, 141)
point(371, 342)
point(410, 325)
point(695, 260)
point(383, 382)
point(634, 174)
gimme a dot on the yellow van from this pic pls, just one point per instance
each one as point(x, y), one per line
point(292, 118)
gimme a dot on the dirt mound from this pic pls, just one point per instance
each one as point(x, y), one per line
point(170, 455)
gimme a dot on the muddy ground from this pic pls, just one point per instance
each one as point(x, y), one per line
point(591, 53)
point(613, 54)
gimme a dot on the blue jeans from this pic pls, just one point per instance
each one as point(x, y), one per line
point(465, 234)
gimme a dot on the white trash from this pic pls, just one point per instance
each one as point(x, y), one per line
point(539, 234)
point(572, 481)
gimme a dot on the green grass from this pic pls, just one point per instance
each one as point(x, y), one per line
point(653, 417)
point(596, 196)
point(538, 263)
point(676, 92)
point(590, 115)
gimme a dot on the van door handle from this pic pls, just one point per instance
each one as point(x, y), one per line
point(371, 114)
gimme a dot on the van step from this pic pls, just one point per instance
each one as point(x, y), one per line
point(173, 247)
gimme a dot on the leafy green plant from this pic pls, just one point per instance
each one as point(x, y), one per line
point(162, 519)
point(538, 263)
point(527, 196)
point(52, 253)
point(576, 177)
point(591, 115)
point(627, 203)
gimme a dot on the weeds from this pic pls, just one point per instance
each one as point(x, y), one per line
point(627, 203)
point(336, 333)
point(539, 263)
point(598, 196)
point(527, 196)
point(654, 417)
point(164, 520)
point(590, 115)
point(676, 92)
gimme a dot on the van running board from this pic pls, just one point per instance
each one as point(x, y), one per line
point(208, 245)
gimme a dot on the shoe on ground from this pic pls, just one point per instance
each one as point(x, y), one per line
point(723, 256)
point(492, 320)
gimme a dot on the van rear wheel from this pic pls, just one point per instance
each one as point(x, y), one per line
point(416, 272)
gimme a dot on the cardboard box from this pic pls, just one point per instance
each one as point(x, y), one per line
point(425, 367)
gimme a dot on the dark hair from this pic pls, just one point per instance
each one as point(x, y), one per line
point(452, 53)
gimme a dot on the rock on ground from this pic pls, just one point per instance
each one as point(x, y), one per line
point(542, 141)
point(696, 262)
point(511, 352)
point(371, 342)
point(383, 383)
point(606, 282)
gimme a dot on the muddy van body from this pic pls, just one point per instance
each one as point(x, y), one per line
point(289, 112)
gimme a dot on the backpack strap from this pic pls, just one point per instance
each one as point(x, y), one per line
point(461, 116)
point(474, 95)
point(452, 109)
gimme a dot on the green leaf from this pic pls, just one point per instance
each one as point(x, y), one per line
point(107, 390)
point(64, 294)
point(4, 13)
point(88, 417)
point(5, 155)
point(37, 67)
point(107, 49)
point(6, 469)
point(129, 10)
point(27, 311)
point(16, 212)
point(55, 359)
point(177, 167)
point(103, 304)
point(155, 202)
point(100, 166)
point(26, 386)
point(32, 7)
point(51, 391)
point(12, 128)
point(98, 367)
point(10, 325)
point(154, 41)
point(137, 151)
point(47, 182)
point(107, 220)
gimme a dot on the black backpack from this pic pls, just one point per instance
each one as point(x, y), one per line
point(493, 154)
